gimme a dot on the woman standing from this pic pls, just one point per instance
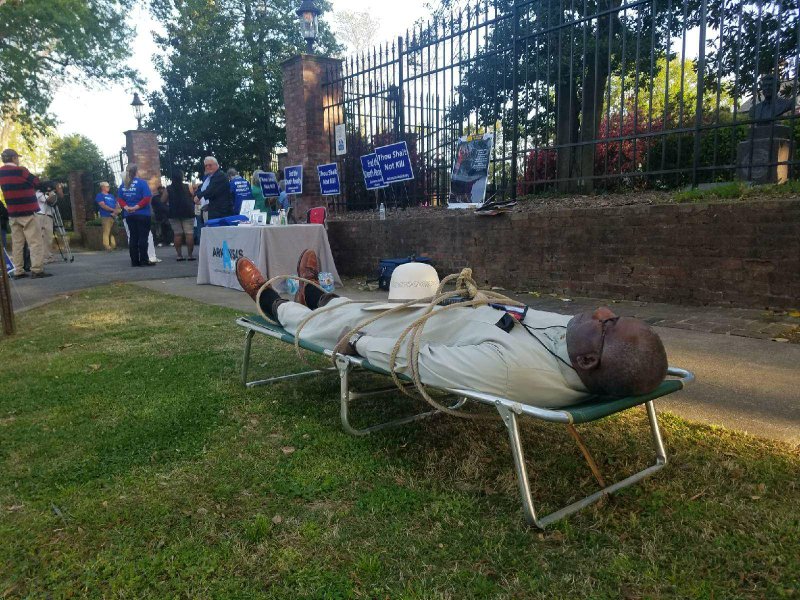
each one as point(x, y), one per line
point(258, 194)
point(134, 198)
point(108, 209)
point(180, 204)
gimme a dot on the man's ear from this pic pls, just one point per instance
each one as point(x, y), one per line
point(588, 361)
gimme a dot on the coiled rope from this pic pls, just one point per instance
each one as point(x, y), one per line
point(468, 295)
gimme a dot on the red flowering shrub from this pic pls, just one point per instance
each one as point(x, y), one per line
point(613, 157)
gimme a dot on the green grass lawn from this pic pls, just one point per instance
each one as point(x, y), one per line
point(133, 464)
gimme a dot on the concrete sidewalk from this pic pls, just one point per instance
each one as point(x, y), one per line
point(91, 269)
point(743, 383)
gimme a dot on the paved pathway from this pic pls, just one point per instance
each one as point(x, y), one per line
point(92, 269)
point(744, 380)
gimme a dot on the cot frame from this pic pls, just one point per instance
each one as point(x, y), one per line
point(509, 412)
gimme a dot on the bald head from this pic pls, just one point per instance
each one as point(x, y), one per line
point(615, 356)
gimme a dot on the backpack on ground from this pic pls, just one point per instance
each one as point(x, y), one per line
point(387, 266)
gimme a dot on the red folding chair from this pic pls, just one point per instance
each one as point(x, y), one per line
point(318, 215)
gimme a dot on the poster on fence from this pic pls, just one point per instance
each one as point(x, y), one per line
point(340, 134)
point(395, 162)
point(373, 178)
point(329, 179)
point(470, 171)
point(294, 179)
point(269, 185)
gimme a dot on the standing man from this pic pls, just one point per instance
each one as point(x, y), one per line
point(19, 189)
point(107, 206)
point(216, 190)
point(47, 196)
point(240, 189)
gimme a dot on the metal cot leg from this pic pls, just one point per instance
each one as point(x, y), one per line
point(248, 342)
point(510, 420)
point(345, 367)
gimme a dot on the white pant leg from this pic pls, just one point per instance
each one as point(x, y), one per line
point(325, 329)
point(151, 248)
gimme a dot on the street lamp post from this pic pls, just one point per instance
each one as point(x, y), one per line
point(309, 23)
point(138, 109)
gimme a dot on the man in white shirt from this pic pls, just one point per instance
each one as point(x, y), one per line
point(538, 358)
point(47, 196)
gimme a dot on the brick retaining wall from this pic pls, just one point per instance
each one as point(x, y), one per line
point(739, 254)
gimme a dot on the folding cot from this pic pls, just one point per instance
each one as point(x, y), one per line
point(592, 409)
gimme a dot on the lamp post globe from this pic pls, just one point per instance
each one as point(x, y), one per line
point(138, 109)
point(309, 23)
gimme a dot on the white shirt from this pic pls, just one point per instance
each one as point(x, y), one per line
point(44, 207)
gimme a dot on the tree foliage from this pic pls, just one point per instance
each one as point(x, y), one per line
point(74, 153)
point(45, 42)
point(356, 29)
point(223, 89)
point(32, 146)
point(568, 52)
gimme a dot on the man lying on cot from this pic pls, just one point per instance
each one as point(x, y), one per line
point(532, 357)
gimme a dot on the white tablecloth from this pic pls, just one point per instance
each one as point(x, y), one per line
point(274, 249)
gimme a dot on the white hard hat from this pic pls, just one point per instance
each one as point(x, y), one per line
point(411, 281)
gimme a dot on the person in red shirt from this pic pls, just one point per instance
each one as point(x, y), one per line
point(19, 189)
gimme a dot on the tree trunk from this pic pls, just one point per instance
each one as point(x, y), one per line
point(255, 37)
point(594, 88)
point(595, 81)
point(566, 133)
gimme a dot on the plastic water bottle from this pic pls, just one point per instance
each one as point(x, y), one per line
point(292, 285)
point(326, 282)
point(283, 216)
point(382, 212)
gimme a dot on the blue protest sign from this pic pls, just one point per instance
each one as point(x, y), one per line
point(373, 178)
point(269, 185)
point(395, 162)
point(294, 179)
point(329, 179)
point(10, 269)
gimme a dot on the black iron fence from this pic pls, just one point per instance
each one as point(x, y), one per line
point(115, 168)
point(579, 96)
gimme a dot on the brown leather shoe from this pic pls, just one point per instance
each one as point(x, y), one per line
point(307, 268)
point(250, 278)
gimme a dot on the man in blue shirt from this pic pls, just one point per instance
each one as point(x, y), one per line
point(240, 190)
point(108, 209)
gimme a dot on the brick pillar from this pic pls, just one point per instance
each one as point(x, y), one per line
point(309, 130)
point(77, 200)
point(142, 149)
